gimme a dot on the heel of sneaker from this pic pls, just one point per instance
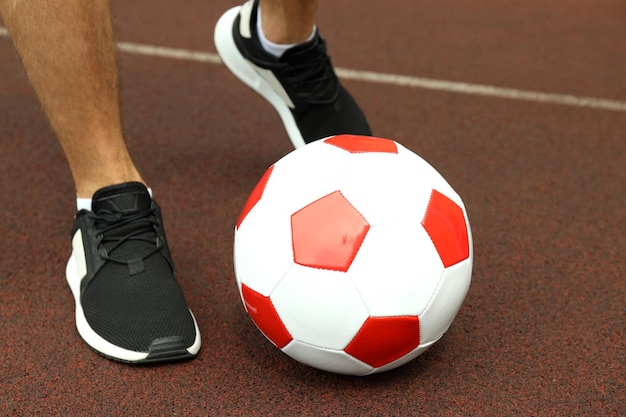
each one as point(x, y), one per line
point(243, 70)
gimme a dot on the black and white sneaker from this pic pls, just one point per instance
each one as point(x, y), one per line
point(301, 85)
point(129, 306)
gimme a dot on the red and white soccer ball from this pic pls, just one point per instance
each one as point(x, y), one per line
point(353, 255)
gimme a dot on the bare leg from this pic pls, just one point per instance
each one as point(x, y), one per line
point(68, 52)
point(288, 21)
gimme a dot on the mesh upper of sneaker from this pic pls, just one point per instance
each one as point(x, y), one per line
point(134, 298)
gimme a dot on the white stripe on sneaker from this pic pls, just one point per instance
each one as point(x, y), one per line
point(78, 251)
point(274, 84)
point(244, 22)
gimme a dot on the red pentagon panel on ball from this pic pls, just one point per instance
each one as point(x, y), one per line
point(382, 340)
point(262, 312)
point(255, 195)
point(328, 233)
point(444, 222)
point(362, 144)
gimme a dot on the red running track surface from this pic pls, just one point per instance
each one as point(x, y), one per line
point(542, 330)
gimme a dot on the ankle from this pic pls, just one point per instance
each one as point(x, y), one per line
point(280, 27)
point(273, 48)
point(85, 188)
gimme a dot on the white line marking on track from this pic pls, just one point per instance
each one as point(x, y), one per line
point(482, 90)
point(172, 53)
point(394, 79)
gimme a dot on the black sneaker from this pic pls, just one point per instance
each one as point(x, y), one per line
point(301, 85)
point(129, 306)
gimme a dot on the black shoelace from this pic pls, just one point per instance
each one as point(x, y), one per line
point(315, 80)
point(115, 229)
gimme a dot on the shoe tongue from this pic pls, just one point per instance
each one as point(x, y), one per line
point(305, 52)
point(123, 198)
point(319, 83)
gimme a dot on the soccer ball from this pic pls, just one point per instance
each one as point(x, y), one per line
point(353, 255)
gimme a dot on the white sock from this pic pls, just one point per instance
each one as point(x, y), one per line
point(275, 49)
point(85, 203)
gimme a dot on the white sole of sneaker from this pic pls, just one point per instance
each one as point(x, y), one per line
point(97, 342)
point(251, 75)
